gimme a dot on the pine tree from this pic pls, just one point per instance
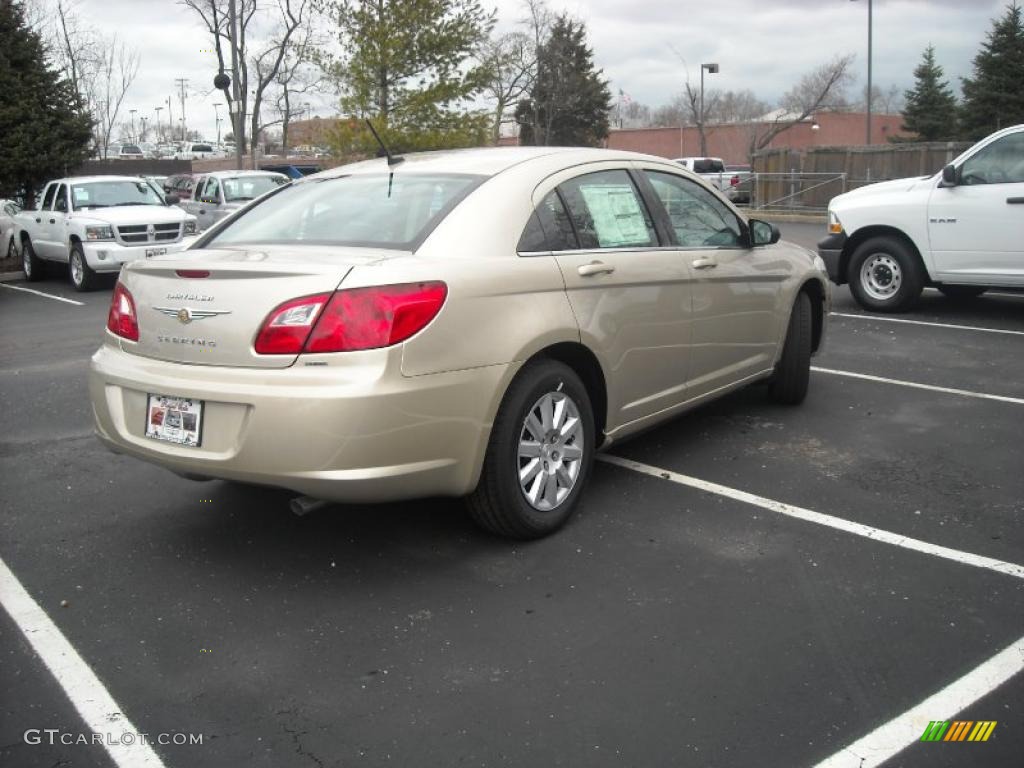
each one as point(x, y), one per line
point(409, 69)
point(570, 100)
point(930, 111)
point(43, 129)
point(994, 96)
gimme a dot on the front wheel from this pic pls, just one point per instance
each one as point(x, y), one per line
point(539, 456)
point(793, 373)
point(31, 263)
point(884, 275)
point(82, 275)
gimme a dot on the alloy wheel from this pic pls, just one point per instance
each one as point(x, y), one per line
point(550, 455)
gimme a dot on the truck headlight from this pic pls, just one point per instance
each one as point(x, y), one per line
point(835, 227)
point(190, 227)
point(99, 233)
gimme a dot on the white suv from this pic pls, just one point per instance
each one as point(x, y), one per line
point(961, 230)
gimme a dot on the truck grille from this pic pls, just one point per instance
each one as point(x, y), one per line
point(137, 234)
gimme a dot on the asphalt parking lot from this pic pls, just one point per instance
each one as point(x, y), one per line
point(750, 585)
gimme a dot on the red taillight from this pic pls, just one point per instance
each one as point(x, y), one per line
point(358, 318)
point(122, 320)
point(192, 273)
point(286, 329)
point(734, 181)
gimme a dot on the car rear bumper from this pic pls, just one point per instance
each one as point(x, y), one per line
point(110, 256)
point(358, 432)
point(830, 250)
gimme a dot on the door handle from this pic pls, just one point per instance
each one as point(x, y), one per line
point(1015, 200)
point(595, 268)
point(53, 221)
point(705, 262)
point(38, 221)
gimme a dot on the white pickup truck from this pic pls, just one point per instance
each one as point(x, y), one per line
point(95, 224)
point(960, 230)
point(735, 185)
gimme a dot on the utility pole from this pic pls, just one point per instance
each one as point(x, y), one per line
point(132, 113)
point(181, 83)
point(868, 99)
point(237, 114)
point(142, 136)
point(157, 110)
point(170, 119)
point(712, 69)
point(216, 120)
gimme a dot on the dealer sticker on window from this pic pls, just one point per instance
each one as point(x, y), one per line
point(175, 419)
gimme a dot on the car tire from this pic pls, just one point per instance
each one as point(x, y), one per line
point(793, 371)
point(884, 275)
point(530, 494)
point(958, 292)
point(83, 278)
point(31, 264)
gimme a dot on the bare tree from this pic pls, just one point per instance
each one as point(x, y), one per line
point(510, 63)
point(822, 89)
point(297, 77)
point(118, 66)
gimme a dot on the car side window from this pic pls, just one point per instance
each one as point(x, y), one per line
point(549, 228)
point(60, 203)
point(699, 219)
point(212, 191)
point(608, 212)
point(1001, 162)
point(48, 197)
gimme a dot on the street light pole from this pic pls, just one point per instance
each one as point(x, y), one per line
point(869, 94)
point(216, 112)
point(712, 69)
point(132, 113)
point(158, 110)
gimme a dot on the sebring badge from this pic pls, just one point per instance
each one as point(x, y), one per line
point(186, 315)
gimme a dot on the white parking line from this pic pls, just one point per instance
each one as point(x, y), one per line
point(101, 713)
point(916, 385)
point(924, 322)
point(838, 523)
point(899, 733)
point(41, 293)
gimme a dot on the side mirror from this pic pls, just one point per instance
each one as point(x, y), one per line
point(950, 176)
point(763, 233)
point(172, 199)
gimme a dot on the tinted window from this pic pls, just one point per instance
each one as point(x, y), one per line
point(1001, 162)
point(48, 199)
point(608, 212)
point(60, 203)
point(130, 149)
point(387, 210)
point(250, 187)
point(549, 228)
point(202, 148)
point(699, 219)
point(708, 165)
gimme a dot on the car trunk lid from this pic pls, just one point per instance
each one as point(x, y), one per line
point(206, 307)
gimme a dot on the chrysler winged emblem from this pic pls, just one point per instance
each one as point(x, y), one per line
point(186, 315)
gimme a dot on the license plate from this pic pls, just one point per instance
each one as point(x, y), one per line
point(174, 419)
point(151, 252)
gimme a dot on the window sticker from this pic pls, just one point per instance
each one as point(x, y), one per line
point(618, 219)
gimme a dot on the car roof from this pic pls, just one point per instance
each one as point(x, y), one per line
point(86, 179)
point(236, 174)
point(486, 161)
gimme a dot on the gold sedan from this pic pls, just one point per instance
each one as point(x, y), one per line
point(475, 323)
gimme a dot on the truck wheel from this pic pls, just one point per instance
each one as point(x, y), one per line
point(792, 374)
point(82, 275)
point(884, 275)
point(539, 455)
point(31, 263)
point(962, 291)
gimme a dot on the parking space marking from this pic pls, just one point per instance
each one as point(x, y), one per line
point(917, 385)
point(45, 295)
point(807, 515)
point(925, 322)
point(102, 715)
point(899, 733)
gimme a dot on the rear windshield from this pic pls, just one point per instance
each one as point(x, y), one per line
point(380, 211)
point(242, 188)
point(707, 165)
point(202, 148)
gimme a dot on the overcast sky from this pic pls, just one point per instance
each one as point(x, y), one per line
point(763, 45)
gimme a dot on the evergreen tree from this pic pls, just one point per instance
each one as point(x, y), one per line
point(409, 70)
point(930, 109)
point(994, 96)
point(569, 102)
point(43, 129)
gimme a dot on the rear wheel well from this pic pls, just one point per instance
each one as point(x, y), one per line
point(586, 366)
point(816, 294)
point(854, 241)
